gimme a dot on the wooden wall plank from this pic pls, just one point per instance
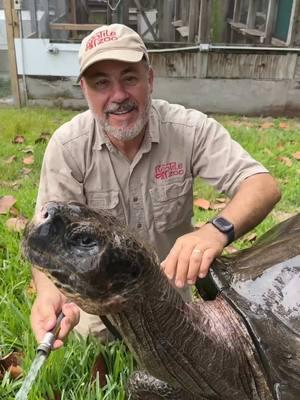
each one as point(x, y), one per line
point(251, 14)
point(225, 65)
point(203, 22)
point(193, 19)
point(166, 10)
point(293, 23)
point(10, 32)
point(125, 12)
point(237, 11)
point(270, 21)
point(250, 66)
point(297, 70)
point(73, 27)
point(182, 65)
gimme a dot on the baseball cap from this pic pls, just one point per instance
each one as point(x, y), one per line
point(111, 42)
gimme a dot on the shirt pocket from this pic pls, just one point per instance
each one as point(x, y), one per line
point(108, 201)
point(172, 204)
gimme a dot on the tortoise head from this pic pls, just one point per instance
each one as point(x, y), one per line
point(90, 257)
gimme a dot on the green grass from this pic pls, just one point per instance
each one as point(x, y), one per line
point(68, 370)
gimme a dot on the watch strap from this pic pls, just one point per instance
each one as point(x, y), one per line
point(227, 228)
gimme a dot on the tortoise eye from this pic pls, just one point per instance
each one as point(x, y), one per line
point(83, 241)
point(87, 240)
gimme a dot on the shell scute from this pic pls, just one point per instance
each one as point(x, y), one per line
point(263, 285)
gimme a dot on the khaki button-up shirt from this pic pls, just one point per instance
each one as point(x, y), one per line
point(153, 194)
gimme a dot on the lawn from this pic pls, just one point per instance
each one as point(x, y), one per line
point(67, 373)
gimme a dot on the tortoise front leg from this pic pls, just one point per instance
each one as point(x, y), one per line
point(142, 386)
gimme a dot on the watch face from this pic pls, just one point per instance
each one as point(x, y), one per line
point(222, 224)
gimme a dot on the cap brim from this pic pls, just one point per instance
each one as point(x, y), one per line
point(118, 55)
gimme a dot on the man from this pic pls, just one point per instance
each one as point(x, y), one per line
point(137, 158)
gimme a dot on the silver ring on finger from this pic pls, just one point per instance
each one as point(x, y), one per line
point(196, 251)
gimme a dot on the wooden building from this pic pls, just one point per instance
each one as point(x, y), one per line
point(194, 45)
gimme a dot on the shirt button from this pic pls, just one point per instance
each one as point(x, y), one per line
point(135, 199)
point(139, 225)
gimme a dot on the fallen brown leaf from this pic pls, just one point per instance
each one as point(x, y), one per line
point(297, 155)
point(283, 125)
point(202, 203)
point(221, 200)
point(57, 395)
point(280, 146)
point(285, 160)
point(16, 224)
point(11, 363)
point(14, 212)
point(10, 159)
point(99, 369)
point(250, 237)
point(28, 160)
point(234, 123)
point(43, 138)
point(26, 171)
point(6, 202)
point(230, 249)
point(10, 184)
point(218, 206)
point(282, 215)
point(19, 139)
point(267, 125)
point(15, 371)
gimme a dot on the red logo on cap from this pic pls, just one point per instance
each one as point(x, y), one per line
point(99, 38)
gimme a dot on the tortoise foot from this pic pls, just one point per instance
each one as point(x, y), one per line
point(142, 386)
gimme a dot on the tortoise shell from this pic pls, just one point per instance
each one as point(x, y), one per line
point(263, 284)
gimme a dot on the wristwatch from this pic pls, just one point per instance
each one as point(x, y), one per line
point(224, 226)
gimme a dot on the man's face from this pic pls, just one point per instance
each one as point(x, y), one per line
point(119, 95)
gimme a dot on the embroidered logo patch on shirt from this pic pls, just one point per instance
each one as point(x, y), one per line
point(165, 171)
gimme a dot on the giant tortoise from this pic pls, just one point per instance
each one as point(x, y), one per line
point(241, 343)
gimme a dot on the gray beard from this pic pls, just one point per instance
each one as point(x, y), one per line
point(126, 133)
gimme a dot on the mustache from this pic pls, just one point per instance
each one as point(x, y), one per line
point(126, 105)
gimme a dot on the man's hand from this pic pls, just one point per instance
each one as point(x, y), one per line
point(47, 306)
point(192, 255)
point(44, 314)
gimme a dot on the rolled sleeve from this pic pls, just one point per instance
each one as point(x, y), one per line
point(61, 179)
point(221, 161)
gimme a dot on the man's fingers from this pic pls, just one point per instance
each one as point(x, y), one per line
point(207, 258)
point(43, 319)
point(192, 255)
point(194, 265)
point(57, 344)
point(71, 318)
point(72, 312)
point(169, 265)
point(72, 315)
point(183, 266)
